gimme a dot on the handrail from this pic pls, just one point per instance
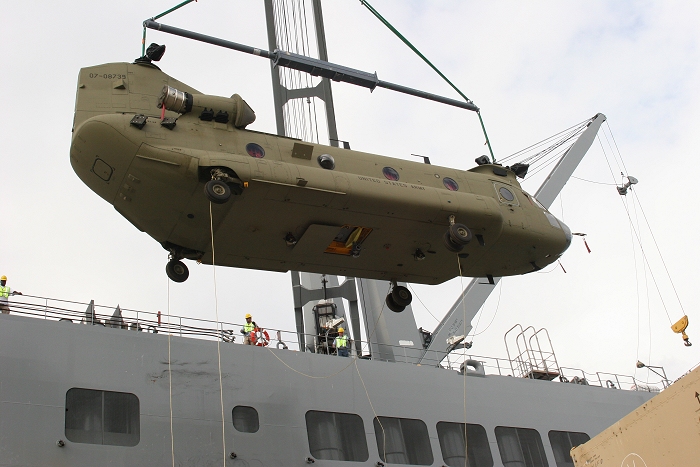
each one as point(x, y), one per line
point(147, 321)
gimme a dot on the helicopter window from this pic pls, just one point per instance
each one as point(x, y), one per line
point(390, 174)
point(326, 161)
point(450, 184)
point(403, 441)
point(102, 417)
point(520, 446)
point(562, 442)
point(336, 436)
point(255, 150)
point(451, 437)
point(506, 194)
point(245, 419)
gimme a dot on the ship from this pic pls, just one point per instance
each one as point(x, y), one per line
point(135, 388)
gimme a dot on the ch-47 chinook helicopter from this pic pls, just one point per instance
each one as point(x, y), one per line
point(164, 155)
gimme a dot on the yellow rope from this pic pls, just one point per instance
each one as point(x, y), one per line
point(218, 340)
point(170, 386)
point(372, 406)
point(304, 374)
point(464, 322)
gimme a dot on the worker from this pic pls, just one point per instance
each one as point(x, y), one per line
point(341, 343)
point(247, 329)
point(4, 293)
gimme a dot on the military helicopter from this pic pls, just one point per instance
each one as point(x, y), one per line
point(182, 167)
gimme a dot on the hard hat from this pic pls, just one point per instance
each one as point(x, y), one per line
point(248, 316)
point(341, 330)
point(3, 278)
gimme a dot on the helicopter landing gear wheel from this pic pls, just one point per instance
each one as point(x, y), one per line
point(450, 245)
point(217, 191)
point(460, 234)
point(391, 304)
point(401, 296)
point(177, 271)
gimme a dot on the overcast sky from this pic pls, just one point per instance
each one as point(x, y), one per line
point(534, 68)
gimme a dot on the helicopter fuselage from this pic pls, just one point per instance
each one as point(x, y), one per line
point(296, 205)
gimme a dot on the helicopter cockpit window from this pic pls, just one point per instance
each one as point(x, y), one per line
point(450, 184)
point(390, 174)
point(326, 161)
point(255, 150)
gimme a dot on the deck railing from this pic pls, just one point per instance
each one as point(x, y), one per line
point(157, 322)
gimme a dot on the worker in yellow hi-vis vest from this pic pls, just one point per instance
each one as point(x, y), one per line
point(248, 329)
point(5, 292)
point(341, 343)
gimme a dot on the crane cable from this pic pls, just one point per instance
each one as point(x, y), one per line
point(676, 327)
point(425, 59)
point(290, 19)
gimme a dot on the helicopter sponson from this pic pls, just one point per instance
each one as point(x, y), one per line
point(164, 155)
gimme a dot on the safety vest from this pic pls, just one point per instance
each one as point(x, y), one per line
point(341, 342)
point(4, 291)
point(248, 327)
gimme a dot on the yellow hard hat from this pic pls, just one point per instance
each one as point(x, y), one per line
point(341, 330)
point(3, 278)
point(248, 316)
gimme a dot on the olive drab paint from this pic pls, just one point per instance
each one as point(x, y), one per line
point(283, 204)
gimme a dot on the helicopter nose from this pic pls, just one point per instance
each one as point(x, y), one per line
point(567, 236)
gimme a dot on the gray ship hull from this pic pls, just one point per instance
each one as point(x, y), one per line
point(40, 361)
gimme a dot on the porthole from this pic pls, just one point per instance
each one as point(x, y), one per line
point(255, 150)
point(450, 184)
point(390, 174)
point(506, 194)
point(326, 161)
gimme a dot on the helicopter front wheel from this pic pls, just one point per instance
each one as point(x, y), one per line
point(460, 234)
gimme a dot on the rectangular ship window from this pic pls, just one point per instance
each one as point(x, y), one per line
point(451, 437)
point(562, 442)
point(403, 441)
point(336, 436)
point(102, 417)
point(245, 419)
point(520, 447)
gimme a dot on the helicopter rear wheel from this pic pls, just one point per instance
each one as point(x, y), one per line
point(391, 304)
point(401, 296)
point(217, 191)
point(177, 271)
